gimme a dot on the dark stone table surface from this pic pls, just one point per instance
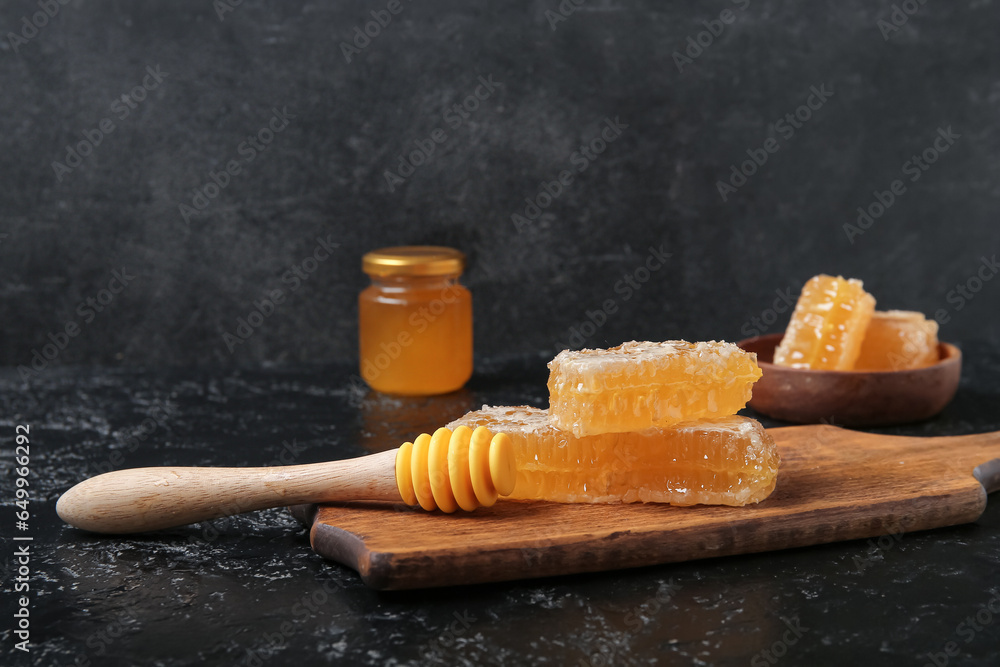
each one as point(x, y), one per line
point(248, 590)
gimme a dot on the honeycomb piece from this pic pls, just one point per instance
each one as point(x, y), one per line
point(828, 324)
point(642, 385)
point(727, 461)
point(898, 340)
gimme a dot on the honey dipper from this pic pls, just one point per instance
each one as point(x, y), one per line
point(448, 470)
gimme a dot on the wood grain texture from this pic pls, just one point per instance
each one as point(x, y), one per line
point(833, 485)
point(144, 499)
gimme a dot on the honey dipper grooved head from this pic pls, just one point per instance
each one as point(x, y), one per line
point(419, 472)
point(461, 469)
point(479, 466)
point(503, 469)
point(437, 471)
point(458, 469)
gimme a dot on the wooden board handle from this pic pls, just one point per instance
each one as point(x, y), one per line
point(974, 453)
point(144, 499)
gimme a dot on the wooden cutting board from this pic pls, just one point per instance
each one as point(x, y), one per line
point(833, 485)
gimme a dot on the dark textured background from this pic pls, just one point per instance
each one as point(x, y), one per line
point(232, 591)
point(219, 599)
point(323, 175)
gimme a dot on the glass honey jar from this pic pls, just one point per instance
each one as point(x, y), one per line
point(415, 321)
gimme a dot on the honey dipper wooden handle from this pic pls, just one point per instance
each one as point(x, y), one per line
point(144, 499)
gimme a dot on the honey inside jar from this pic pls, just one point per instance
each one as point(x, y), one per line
point(415, 321)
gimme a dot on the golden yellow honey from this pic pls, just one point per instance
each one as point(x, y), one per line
point(897, 340)
point(827, 326)
point(415, 321)
point(640, 385)
point(726, 461)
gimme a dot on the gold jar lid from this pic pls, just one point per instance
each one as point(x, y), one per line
point(413, 260)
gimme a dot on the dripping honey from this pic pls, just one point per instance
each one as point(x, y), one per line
point(415, 321)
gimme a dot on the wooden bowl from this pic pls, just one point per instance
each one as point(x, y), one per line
point(852, 398)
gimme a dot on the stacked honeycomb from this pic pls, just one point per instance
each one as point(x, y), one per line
point(640, 385)
point(642, 422)
point(725, 461)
